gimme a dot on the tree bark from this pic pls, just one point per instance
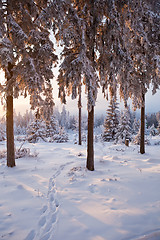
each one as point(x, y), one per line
point(90, 140)
point(142, 142)
point(80, 117)
point(9, 124)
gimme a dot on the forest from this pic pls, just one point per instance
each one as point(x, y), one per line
point(71, 177)
point(104, 43)
point(114, 126)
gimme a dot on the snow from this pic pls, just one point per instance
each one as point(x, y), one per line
point(53, 196)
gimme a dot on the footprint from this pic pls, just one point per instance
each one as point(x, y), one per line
point(46, 236)
point(51, 185)
point(48, 227)
point(51, 198)
point(92, 188)
point(54, 217)
point(44, 209)
point(20, 187)
point(42, 221)
point(30, 236)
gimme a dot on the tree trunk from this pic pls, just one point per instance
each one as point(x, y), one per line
point(142, 143)
point(9, 125)
point(90, 148)
point(80, 117)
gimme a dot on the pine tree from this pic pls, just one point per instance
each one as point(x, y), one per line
point(26, 56)
point(2, 131)
point(64, 118)
point(52, 127)
point(124, 130)
point(111, 121)
point(79, 32)
point(59, 137)
point(158, 128)
point(136, 125)
point(37, 129)
point(142, 48)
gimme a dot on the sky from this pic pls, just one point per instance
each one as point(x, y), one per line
point(21, 104)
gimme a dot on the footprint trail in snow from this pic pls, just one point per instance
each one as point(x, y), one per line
point(48, 219)
point(49, 214)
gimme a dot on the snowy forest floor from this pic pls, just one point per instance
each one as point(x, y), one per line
point(53, 196)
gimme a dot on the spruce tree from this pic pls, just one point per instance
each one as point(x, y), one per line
point(124, 130)
point(79, 32)
point(37, 129)
point(142, 47)
point(136, 125)
point(158, 128)
point(2, 132)
point(26, 56)
point(52, 127)
point(111, 121)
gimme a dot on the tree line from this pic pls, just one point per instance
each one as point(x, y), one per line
point(107, 43)
point(114, 126)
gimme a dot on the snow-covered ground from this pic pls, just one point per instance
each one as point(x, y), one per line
point(53, 196)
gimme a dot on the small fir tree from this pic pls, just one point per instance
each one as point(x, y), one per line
point(52, 126)
point(158, 128)
point(111, 122)
point(2, 134)
point(37, 130)
point(136, 126)
point(2, 129)
point(124, 128)
point(59, 137)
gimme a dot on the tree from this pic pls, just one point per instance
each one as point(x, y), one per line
point(111, 121)
point(136, 125)
point(103, 36)
point(79, 116)
point(152, 119)
point(26, 56)
point(37, 129)
point(2, 130)
point(124, 130)
point(52, 127)
point(142, 47)
point(64, 118)
point(158, 128)
point(79, 59)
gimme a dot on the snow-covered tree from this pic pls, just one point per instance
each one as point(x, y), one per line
point(143, 50)
point(37, 129)
point(21, 122)
point(135, 126)
point(60, 136)
point(64, 118)
point(26, 56)
point(52, 127)
point(99, 120)
point(2, 130)
point(158, 116)
point(112, 120)
point(79, 32)
point(73, 124)
point(158, 128)
point(124, 130)
point(152, 130)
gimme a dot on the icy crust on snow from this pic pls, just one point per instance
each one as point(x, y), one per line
point(53, 196)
